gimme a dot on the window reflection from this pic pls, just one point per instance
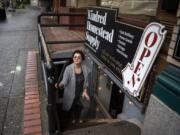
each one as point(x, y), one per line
point(104, 89)
point(147, 7)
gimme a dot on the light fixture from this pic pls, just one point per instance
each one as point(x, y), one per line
point(130, 102)
point(99, 88)
point(97, 109)
point(100, 77)
point(120, 91)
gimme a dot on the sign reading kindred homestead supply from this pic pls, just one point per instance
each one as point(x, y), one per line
point(114, 43)
point(128, 51)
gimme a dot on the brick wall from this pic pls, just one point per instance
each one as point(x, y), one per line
point(70, 19)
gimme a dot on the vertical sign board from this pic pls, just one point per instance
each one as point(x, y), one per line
point(176, 54)
point(135, 73)
point(117, 44)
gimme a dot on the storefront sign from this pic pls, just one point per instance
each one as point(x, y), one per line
point(134, 74)
point(113, 43)
point(118, 44)
point(176, 54)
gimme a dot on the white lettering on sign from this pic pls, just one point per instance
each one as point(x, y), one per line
point(98, 30)
point(93, 41)
point(101, 32)
point(134, 74)
point(96, 17)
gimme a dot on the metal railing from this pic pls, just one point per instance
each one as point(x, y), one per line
point(48, 64)
point(58, 15)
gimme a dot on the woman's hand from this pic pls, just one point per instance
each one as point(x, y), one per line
point(56, 85)
point(85, 95)
point(61, 86)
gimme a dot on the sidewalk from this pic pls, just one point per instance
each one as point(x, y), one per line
point(18, 35)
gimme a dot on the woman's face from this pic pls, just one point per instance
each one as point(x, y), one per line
point(77, 58)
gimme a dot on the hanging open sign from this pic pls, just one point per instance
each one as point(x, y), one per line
point(134, 74)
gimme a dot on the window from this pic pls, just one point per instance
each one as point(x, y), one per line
point(145, 7)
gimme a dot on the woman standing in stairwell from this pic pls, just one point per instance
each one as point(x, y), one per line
point(75, 84)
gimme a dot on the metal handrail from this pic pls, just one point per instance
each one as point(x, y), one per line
point(60, 14)
point(65, 42)
point(46, 52)
point(42, 38)
point(62, 25)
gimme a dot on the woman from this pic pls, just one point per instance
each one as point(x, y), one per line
point(75, 83)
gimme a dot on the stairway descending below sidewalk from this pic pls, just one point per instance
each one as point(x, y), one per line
point(90, 123)
point(104, 127)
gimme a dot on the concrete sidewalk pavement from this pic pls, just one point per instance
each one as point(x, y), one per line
point(18, 35)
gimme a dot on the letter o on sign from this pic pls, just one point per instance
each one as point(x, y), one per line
point(151, 39)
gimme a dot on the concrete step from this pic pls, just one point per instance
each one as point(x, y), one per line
point(91, 122)
point(114, 128)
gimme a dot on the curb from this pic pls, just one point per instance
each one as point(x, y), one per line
point(32, 113)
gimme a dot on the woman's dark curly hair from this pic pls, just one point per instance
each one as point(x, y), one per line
point(79, 52)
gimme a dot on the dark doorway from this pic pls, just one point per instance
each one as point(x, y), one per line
point(116, 103)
